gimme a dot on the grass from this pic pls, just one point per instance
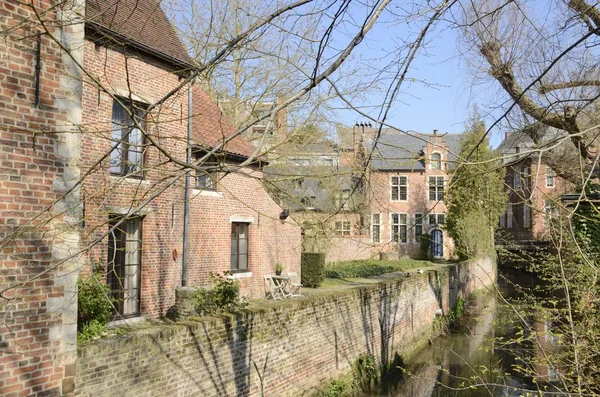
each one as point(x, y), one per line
point(371, 268)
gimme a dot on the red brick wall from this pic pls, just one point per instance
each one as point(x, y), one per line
point(240, 197)
point(297, 345)
point(37, 337)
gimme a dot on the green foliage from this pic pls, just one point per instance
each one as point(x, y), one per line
point(424, 247)
point(366, 371)
point(370, 267)
point(337, 388)
point(222, 296)
point(476, 196)
point(94, 305)
point(278, 268)
point(313, 269)
point(457, 311)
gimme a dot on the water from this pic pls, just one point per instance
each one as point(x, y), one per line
point(471, 361)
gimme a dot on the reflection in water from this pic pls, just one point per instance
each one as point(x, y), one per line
point(469, 362)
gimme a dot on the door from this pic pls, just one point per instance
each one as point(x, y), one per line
point(437, 243)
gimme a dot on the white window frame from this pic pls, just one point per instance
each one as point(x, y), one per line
point(432, 166)
point(395, 183)
point(421, 216)
point(341, 199)
point(399, 225)
point(438, 192)
point(342, 228)
point(373, 225)
point(550, 177)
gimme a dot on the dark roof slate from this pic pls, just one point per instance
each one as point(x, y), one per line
point(142, 21)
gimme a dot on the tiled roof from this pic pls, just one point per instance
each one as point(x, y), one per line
point(142, 21)
point(210, 126)
point(396, 150)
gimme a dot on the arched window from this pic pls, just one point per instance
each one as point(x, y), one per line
point(436, 161)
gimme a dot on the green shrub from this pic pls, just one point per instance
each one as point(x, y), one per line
point(337, 388)
point(94, 305)
point(222, 296)
point(313, 269)
point(366, 371)
point(371, 267)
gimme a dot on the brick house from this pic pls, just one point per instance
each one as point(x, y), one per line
point(93, 159)
point(408, 175)
point(533, 189)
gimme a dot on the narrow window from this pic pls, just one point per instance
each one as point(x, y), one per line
point(436, 161)
point(550, 177)
point(376, 227)
point(239, 246)
point(124, 260)
point(127, 155)
point(418, 227)
point(399, 228)
point(509, 216)
point(206, 175)
point(343, 228)
point(436, 188)
point(526, 215)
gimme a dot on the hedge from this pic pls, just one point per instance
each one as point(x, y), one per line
point(313, 269)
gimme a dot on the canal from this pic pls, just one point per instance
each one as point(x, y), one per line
point(474, 359)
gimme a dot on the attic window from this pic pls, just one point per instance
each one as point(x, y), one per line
point(206, 174)
point(436, 161)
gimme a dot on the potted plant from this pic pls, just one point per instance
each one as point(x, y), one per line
point(278, 269)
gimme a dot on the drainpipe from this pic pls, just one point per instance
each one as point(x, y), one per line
point(186, 198)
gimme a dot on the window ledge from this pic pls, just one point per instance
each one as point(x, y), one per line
point(137, 181)
point(239, 275)
point(206, 193)
point(126, 321)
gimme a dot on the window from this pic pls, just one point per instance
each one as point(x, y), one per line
point(418, 227)
point(550, 212)
point(436, 161)
point(301, 161)
point(399, 188)
point(437, 219)
point(308, 202)
point(526, 215)
point(239, 247)
point(517, 181)
point(342, 200)
point(298, 183)
point(127, 155)
point(550, 177)
point(509, 216)
point(436, 188)
point(342, 228)
point(206, 176)
point(328, 162)
point(376, 228)
point(399, 228)
point(124, 260)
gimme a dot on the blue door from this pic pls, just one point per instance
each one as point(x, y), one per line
point(437, 243)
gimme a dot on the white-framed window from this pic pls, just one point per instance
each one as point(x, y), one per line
point(436, 219)
point(127, 155)
point(399, 188)
point(550, 178)
point(376, 228)
point(206, 175)
point(343, 228)
point(550, 212)
point(239, 246)
point(435, 161)
point(399, 228)
point(436, 188)
point(341, 200)
point(418, 227)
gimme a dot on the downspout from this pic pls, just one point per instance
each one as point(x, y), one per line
point(186, 198)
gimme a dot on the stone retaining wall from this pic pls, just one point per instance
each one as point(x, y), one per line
point(294, 347)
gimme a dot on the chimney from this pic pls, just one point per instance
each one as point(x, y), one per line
point(435, 132)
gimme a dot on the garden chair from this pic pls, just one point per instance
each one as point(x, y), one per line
point(294, 284)
point(272, 290)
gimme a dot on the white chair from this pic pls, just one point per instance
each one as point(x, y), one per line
point(294, 284)
point(272, 290)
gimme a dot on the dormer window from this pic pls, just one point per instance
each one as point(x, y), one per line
point(435, 161)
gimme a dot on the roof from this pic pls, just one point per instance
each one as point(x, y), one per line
point(518, 144)
point(395, 150)
point(143, 22)
point(211, 127)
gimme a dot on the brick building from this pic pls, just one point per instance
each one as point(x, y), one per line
point(407, 178)
point(533, 189)
point(93, 159)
